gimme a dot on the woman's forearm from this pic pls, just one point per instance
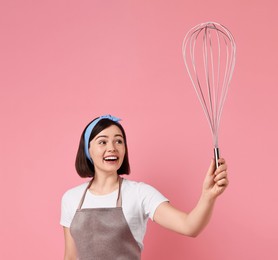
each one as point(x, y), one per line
point(199, 217)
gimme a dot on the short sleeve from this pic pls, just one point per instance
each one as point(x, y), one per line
point(66, 212)
point(151, 199)
point(69, 203)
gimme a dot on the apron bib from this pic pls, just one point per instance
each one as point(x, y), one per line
point(103, 233)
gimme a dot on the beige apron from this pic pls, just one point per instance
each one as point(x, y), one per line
point(103, 233)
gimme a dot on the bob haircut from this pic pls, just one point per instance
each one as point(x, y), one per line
point(84, 167)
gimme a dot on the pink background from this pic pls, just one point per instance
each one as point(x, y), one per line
point(63, 63)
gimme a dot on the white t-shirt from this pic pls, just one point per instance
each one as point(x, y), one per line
point(139, 202)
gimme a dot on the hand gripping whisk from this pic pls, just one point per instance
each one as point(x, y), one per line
point(209, 56)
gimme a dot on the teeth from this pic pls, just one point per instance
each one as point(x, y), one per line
point(110, 158)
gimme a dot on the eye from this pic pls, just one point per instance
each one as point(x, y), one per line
point(119, 141)
point(102, 142)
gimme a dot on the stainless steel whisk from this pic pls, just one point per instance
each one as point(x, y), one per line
point(209, 56)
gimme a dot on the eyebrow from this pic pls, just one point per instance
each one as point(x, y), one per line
point(106, 136)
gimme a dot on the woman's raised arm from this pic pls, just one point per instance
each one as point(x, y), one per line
point(192, 223)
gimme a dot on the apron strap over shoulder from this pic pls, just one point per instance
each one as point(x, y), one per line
point(84, 194)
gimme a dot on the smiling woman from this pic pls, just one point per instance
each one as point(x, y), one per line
point(84, 164)
point(107, 150)
point(106, 218)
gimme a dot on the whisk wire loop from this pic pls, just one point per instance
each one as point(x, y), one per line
point(209, 56)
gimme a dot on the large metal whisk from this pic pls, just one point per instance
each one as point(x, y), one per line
point(209, 56)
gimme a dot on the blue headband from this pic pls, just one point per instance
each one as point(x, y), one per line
point(89, 130)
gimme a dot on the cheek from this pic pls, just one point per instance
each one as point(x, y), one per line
point(95, 151)
point(122, 151)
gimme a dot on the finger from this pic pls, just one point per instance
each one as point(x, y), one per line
point(221, 160)
point(211, 169)
point(221, 168)
point(220, 176)
point(223, 182)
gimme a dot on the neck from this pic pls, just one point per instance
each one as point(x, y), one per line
point(104, 184)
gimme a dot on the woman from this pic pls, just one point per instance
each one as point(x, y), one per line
point(106, 218)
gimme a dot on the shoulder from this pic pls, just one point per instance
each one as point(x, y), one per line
point(141, 188)
point(74, 193)
point(70, 202)
point(135, 185)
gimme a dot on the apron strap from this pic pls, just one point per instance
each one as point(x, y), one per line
point(119, 198)
point(84, 194)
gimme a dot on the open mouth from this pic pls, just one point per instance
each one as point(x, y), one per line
point(110, 158)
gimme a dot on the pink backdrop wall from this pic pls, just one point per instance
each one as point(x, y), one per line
point(63, 63)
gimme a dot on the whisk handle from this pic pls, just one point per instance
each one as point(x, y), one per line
point(216, 156)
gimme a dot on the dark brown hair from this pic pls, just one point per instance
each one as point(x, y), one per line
point(84, 167)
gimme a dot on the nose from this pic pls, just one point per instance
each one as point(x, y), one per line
point(111, 147)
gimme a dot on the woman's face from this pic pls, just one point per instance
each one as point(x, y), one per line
point(107, 150)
